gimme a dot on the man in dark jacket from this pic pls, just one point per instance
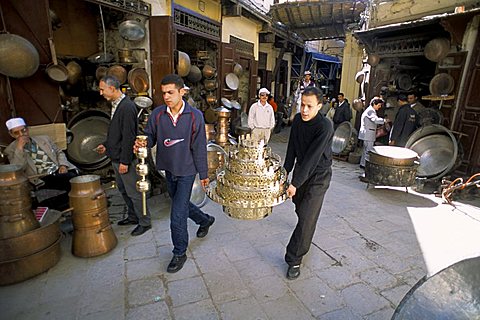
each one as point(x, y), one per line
point(406, 121)
point(310, 150)
point(342, 111)
point(120, 139)
point(178, 131)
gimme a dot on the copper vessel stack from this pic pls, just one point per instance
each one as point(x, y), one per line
point(223, 126)
point(26, 248)
point(93, 234)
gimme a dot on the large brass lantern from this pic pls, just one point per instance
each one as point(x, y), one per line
point(252, 181)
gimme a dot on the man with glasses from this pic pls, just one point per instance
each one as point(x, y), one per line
point(43, 161)
point(261, 118)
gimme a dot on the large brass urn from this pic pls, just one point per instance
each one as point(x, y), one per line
point(252, 181)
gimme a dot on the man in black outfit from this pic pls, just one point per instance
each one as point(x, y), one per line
point(121, 136)
point(406, 121)
point(342, 111)
point(310, 149)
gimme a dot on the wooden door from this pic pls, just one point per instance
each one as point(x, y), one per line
point(226, 66)
point(468, 117)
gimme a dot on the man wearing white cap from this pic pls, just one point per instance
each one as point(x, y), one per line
point(41, 157)
point(261, 117)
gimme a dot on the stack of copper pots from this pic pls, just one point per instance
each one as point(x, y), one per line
point(223, 126)
point(93, 234)
point(26, 248)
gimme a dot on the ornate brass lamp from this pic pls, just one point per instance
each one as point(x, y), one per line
point(143, 185)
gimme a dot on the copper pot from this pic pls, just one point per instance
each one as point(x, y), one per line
point(17, 224)
point(210, 85)
point(21, 269)
point(74, 72)
point(12, 206)
point(211, 99)
point(209, 72)
point(90, 219)
point(29, 243)
point(125, 55)
point(91, 242)
point(86, 195)
point(11, 174)
point(210, 131)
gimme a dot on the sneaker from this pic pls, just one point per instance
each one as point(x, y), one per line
point(176, 263)
point(293, 272)
point(203, 231)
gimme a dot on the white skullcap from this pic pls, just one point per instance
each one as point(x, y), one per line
point(263, 90)
point(15, 122)
point(307, 72)
point(185, 87)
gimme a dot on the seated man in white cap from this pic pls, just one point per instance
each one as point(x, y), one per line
point(41, 158)
point(261, 118)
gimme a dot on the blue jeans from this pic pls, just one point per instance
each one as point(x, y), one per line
point(180, 189)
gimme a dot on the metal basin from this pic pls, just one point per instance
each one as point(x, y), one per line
point(438, 154)
point(18, 57)
point(344, 139)
point(89, 129)
point(392, 156)
point(198, 196)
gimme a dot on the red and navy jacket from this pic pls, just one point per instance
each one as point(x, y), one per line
point(181, 147)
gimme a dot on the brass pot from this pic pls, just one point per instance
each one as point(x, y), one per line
point(210, 85)
point(209, 72)
point(91, 242)
point(211, 99)
point(17, 270)
point(90, 219)
point(210, 131)
point(74, 72)
point(12, 206)
point(17, 224)
point(29, 243)
point(11, 174)
point(85, 186)
point(195, 74)
point(125, 55)
point(221, 137)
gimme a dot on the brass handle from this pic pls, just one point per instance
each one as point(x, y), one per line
point(15, 217)
point(104, 229)
point(98, 195)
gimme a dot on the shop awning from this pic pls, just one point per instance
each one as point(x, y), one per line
point(324, 57)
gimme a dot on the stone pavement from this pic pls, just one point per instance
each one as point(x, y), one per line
point(371, 246)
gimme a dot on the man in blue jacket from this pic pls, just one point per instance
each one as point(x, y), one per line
point(120, 138)
point(178, 130)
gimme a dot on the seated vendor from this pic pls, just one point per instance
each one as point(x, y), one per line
point(43, 162)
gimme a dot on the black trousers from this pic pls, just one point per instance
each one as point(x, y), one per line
point(308, 202)
point(58, 181)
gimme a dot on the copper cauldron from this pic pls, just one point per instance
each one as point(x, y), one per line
point(21, 269)
point(87, 194)
point(209, 72)
point(210, 85)
point(91, 242)
point(29, 243)
point(89, 219)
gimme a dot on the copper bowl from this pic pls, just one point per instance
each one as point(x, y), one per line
point(209, 72)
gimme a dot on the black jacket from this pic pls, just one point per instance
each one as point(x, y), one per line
point(122, 132)
point(406, 121)
point(342, 113)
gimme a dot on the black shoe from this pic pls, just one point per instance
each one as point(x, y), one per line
point(140, 230)
point(126, 222)
point(362, 167)
point(203, 231)
point(363, 179)
point(293, 272)
point(177, 263)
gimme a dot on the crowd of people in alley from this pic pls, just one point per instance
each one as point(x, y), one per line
point(177, 130)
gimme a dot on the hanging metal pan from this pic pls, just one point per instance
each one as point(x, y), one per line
point(18, 57)
point(237, 69)
point(143, 102)
point(441, 84)
point(226, 103)
point(55, 71)
point(118, 72)
point(437, 49)
point(138, 80)
point(195, 74)
point(232, 81)
point(183, 64)
point(131, 30)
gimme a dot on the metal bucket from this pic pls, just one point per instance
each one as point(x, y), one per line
point(89, 129)
point(437, 148)
point(344, 139)
point(392, 156)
